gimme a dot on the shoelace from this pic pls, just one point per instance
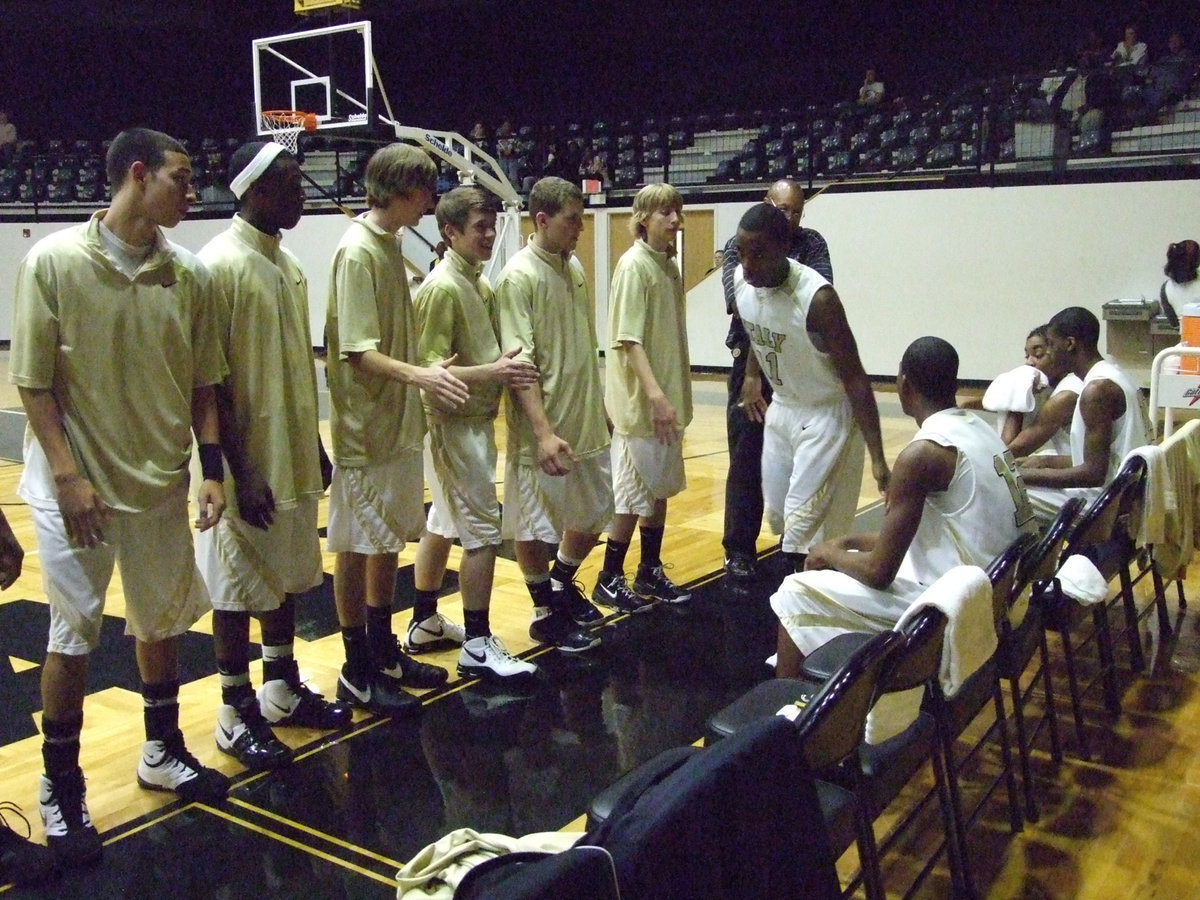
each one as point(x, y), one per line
point(6, 807)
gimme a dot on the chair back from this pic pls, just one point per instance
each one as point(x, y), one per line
point(920, 657)
point(1041, 560)
point(1002, 572)
point(831, 726)
point(1133, 497)
point(1099, 520)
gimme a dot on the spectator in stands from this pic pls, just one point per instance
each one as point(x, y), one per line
point(871, 92)
point(506, 150)
point(1090, 52)
point(1130, 51)
point(8, 131)
point(1169, 77)
point(954, 499)
point(597, 167)
point(1108, 421)
point(479, 133)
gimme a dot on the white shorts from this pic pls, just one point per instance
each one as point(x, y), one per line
point(541, 507)
point(645, 471)
point(1047, 502)
point(164, 594)
point(462, 482)
point(814, 607)
point(812, 466)
point(376, 508)
point(247, 569)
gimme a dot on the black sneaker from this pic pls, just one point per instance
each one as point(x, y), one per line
point(168, 766)
point(613, 591)
point(377, 692)
point(410, 672)
point(244, 734)
point(295, 705)
point(653, 582)
point(740, 566)
point(554, 626)
point(571, 599)
point(21, 860)
point(70, 835)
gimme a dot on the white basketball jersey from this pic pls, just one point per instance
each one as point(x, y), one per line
point(980, 513)
point(1060, 442)
point(1129, 431)
point(777, 321)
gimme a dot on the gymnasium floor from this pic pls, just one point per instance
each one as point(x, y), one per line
point(355, 805)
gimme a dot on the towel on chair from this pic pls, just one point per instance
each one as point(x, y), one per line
point(1013, 391)
point(1152, 528)
point(964, 594)
point(1081, 580)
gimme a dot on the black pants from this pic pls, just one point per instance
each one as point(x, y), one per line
point(743, 487)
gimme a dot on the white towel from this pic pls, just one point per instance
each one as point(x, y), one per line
point(964, 594)
point(1081, 580)
point(1152, 528)
point(1013, 391)
point(437, 869)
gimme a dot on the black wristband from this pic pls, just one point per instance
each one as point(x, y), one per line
point(211, 466)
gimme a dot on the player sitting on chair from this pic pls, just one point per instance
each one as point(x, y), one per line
point(1107, 424)
point(954, 499)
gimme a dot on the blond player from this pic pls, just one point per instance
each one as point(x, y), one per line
point(377, 426)
point(558, 483)
point(456, 312)
point(648, 395)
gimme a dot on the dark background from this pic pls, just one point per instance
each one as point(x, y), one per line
point(87, 69)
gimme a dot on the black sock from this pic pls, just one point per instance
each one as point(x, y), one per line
point(235, 685)
point(562, 572)
point(358, 656)
point(279, 664)
point(160, 709)
point(540, 591)
point(795, 561)
point(652, 539)
point(425, 605)
point(614, 557)
point(475, 621)
point(379, 633)
point(60, 745)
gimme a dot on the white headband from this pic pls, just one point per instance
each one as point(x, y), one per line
point(261, 162)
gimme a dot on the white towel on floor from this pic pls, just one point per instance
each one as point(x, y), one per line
point(1013, 391)
point(964, 594)
point(1081, 580)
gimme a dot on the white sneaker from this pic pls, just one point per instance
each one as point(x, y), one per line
point(435, 633)
point(487, 657)
point(168, 766)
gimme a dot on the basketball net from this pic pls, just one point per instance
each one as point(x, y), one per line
point(285, 126)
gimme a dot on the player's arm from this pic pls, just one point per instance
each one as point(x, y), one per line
point(83, 512)
point(752, 401)
point(207, 429)
point(256, 503)
point(662, 413)
point(1055, 413)
point(1101, 404)
point(555, 455)
point(11, 555)
point(437, 380)
point(922, 468)
point(827, 318)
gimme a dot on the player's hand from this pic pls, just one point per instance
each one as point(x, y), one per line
point(211, 504)
point(256, 503)
point(444, 389)
point(83, 512)
point(11, 555)
point(819, 558)
point(517, 374)
point(555, 455)
point(666, 424)
point(752, 401)
point(882, 476)
point(1034, 462)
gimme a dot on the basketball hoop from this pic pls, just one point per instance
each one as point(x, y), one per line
point(285, 126)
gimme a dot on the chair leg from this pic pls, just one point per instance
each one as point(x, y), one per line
point(1016, 823)
point(1137, 660)
point(952, 815)
point(1108, 666)
point(868, 852)
point(1073, 686)
point(1179, 589)
point(1160, 600)
point(1023, 750)
point(1048, 693)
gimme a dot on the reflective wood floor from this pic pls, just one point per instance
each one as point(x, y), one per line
point(355, 805)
